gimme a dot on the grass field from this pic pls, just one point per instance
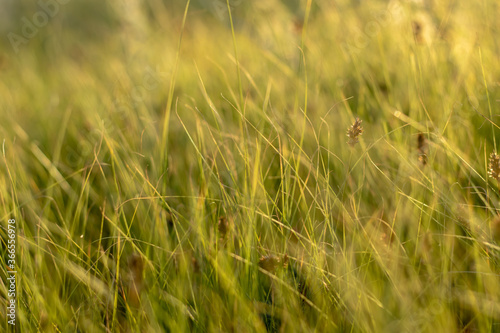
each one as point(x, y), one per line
point(285, 166)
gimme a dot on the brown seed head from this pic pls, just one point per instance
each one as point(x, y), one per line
point(354, 132)
point(417, 31)
point(223, 226)
point(271, 263)
point(494, 166)
point(136, 268)
point(422, 148)
point(284, 260)
point(495, 229)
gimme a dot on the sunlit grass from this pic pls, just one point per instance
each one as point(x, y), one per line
point(183, 170)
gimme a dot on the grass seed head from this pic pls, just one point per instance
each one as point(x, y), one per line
point(354, 132)
point(494, 166)
point(195, 264)
point(136, 285)
point(495, 229)
point(271, 263)
point(422, 148)
point(417, 31)
point(284, 260)
point(223, 226)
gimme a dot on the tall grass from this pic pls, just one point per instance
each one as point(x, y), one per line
point(183, 169)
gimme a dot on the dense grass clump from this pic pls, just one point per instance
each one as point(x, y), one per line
point(183, 166)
